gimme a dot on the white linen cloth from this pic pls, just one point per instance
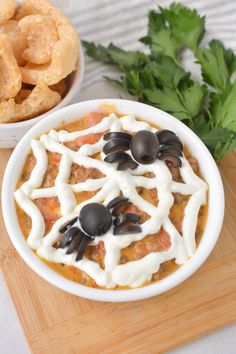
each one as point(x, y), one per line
point(123, 22)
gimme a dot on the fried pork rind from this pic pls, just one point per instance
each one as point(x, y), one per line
point(22, 95)
point(17, 39)
point(65, 51)
point(60, 87)
point(45, 8)
point(40, 100)
point(45, 46)
point(10, 76)
point(7, 10)
point(20, 13)
point(41, 34)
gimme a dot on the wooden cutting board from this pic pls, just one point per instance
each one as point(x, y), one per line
point(55, 322)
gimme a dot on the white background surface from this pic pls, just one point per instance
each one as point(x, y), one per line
point(95, 21)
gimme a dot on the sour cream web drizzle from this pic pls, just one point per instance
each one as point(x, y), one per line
point(133, 273)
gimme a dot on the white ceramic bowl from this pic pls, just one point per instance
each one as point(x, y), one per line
point(150, 114)
point(11, 133)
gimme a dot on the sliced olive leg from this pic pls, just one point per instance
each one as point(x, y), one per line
point(122, 230)
point(174, 160)
point(82, 246)
point(68, 235)
point(165, 135)
point(116, 211)
point(170, 150)
point(118, 156)
point(126, 217)
point(128, 164)
point(116, 201)
point(175, 143)
point(117, 135)
point(75, 242)
point(64, 227)
point(116, 145)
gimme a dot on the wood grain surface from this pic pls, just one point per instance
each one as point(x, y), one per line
point(55, 322)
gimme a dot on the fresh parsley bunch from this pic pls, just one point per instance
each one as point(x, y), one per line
point(157, 78)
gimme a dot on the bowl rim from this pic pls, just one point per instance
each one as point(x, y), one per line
point(209, 237)
point(74, 88)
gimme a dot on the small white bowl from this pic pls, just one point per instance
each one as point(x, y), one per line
point(11, 133)
point(152, 115)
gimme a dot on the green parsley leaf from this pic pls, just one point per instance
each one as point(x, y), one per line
point(160, 38)
point(215, 135)
point(223, 148)
point(115, 81)
point(193, 97)
point(166, 71)
point(131, 82)
point(230, 59)
point(168, 100)
point(218, 140)
point(224, 107)
point(187, 26)
point(136, 81)
point(97, 52)
point(114, 55)
point(217, 64)
point(126, 59)
point(159, 79)
point(147, 79)
point(156, 23)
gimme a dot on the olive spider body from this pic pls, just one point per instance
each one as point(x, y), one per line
point(145, 147)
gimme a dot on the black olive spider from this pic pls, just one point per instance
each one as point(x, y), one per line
point(95, 220)
point(145, 148)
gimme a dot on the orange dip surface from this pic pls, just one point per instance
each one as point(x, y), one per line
point(50, 208)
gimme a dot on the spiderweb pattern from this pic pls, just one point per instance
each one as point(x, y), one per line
point(112, 185)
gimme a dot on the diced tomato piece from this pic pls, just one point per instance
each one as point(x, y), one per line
point(95, 118)
point(163, 238)
point(179, 227)
point(86, 139)
point(100, 245)
point(83, 196)
point(101, 249)
point(56, 158)
point(50, 208)
point(49, 223)
point(131, 209)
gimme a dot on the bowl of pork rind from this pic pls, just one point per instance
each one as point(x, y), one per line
point(41, 65)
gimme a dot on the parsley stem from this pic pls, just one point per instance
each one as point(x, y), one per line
point(190, 123)
point(210, 119)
